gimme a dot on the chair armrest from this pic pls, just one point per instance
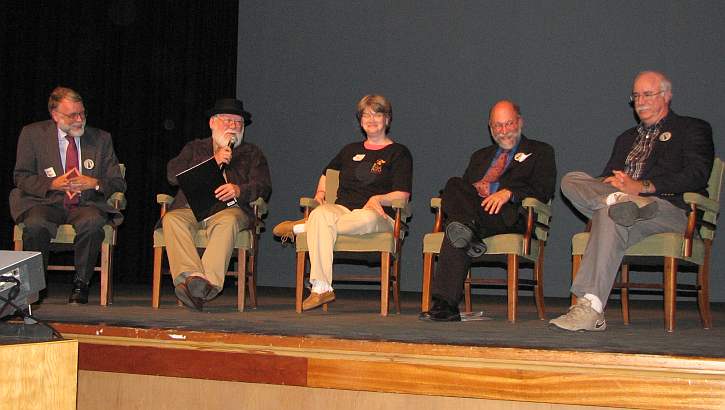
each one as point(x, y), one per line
point(702, 203)
point(261, 206)
point(538, 206)
point(436, 203)
point(163, 199)
point(117, 200)
point(404, 206)
point(309, 202)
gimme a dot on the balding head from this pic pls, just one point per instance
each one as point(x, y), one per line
point(651, 96)
point(505, 123)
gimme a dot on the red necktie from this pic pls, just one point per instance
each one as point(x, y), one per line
point(492, 175)
point(71, 161)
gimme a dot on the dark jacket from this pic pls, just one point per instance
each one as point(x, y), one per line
point(38, 159)
point(681, 159)
point(534, 176)
point(248, 169)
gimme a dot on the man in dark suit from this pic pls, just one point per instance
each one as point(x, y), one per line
point(64, 172)
point(487, 201)
point(638, 194)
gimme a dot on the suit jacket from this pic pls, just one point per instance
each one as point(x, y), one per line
point(533, 174)
point(248, 169)
point(38, 152)
point(681, 159)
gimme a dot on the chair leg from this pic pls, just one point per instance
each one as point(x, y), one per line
point(703, 292)
point(384, 282)
point(105, 259)
point(670, 287)
point(624, 292)
point(156, 291)
point(299, 280)
point(539, 282)
point(18, 245)
point(576, 261)
point(396, 283)
point(252, 279)
point(241, 277)
point(513, 286)
point(467, 293)
point(427, 277)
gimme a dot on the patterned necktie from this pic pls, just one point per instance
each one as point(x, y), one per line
point(492, 175)
point(71, 161)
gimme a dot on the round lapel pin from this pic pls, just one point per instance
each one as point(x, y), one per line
point(665, 136)
point(89, 164)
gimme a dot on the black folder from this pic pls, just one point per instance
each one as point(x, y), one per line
point(199, 183)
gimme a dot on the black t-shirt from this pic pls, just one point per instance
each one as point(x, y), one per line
point(365, 172)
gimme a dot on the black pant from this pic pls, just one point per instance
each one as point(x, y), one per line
point(461, 203)
point(41, 224)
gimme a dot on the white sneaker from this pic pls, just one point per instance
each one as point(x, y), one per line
point(581, 317)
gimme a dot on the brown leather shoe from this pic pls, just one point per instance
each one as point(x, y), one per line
point(317, 299)
point(189, 300)
point(284, 230)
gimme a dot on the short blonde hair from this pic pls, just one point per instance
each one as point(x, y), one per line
point(377, 103)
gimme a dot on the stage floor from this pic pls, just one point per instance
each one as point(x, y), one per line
point(355, 316)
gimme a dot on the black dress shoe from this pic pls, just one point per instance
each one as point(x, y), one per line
point(464, 236)
point(79, 294)
point(182, 293)
point(441, 311)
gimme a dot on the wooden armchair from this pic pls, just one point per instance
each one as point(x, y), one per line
point(66, 237)
point(670, 249)
point(508, 248)
point(387, 244)
point(246, 246)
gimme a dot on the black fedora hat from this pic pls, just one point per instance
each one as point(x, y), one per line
point(230, 106)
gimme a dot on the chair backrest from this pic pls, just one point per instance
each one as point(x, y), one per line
point(714, 187)
point(332, 182)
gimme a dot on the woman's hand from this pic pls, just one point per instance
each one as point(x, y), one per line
point(375, 204)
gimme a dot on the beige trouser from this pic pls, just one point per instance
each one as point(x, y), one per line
point(222, 229)
point(328, 220)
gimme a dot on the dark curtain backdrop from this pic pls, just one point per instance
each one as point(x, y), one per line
point(147, 71)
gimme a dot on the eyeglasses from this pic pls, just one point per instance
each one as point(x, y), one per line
point(648, 95)
point(231, 122)
point(498, 126)
point(81, 115)
point(375, 115)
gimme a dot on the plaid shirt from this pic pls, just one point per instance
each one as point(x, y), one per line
point(641, 149)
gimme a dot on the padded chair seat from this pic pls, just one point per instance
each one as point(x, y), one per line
point(508, 243)
point(66, 234)
point(666, 244)
point(371, 242)
point(201, 239)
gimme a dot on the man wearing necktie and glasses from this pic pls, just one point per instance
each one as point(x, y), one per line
point(64, 172)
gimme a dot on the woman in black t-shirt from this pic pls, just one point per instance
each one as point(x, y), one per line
point(373, 173)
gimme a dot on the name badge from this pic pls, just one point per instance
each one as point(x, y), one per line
point(358, 157)
point(50, 172)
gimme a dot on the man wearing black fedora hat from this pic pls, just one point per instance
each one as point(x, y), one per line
point(198, 280)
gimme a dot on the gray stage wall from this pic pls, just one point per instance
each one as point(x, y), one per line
point(302, 66)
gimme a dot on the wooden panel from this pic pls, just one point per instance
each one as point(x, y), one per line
point(193, 363)
point(550, 376)
point(39, 375)
point(523, 383)
point(116, 391)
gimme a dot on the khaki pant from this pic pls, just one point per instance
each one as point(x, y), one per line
point(326, 222)
point(180, 227)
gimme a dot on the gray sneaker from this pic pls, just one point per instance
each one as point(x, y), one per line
point(581, 317)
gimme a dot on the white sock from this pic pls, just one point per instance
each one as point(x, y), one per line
point(616, 197)
point(298, 229)
point(595, 302)
point(320, 286)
